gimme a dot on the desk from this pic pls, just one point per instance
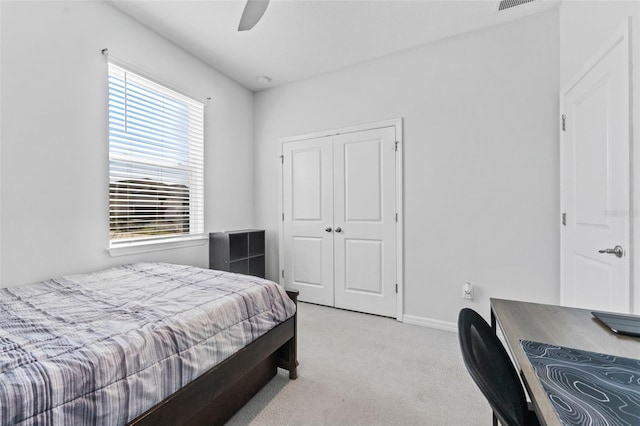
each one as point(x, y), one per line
point(556, 325)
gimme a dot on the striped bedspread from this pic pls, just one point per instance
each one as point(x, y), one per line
point(103, 348)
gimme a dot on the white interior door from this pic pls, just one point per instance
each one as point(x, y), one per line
point(340, 238)
point(308, 213)
point(365, 221)
point(596, 184)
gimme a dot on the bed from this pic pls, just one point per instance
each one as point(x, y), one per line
point(141, 344)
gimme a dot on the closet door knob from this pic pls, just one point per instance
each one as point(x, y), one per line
point(327, 229)
point(338, 229)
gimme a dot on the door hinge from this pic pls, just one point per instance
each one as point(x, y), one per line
point(282, 159)
point(396, 145)
point(283, 217)
point(283, 273)
point(396, 217)
point(396, 288)
point(564, 219)
point(564, 123)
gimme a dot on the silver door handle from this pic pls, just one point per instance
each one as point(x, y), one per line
point(617, 250)
point(327, 229)
point(338, 229)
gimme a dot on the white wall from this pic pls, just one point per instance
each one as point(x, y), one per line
point(585, 26)
point(54, 136)
point(480, 159)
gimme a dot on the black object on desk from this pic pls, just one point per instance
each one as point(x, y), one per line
point(620, 323)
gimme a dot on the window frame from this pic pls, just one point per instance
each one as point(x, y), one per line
point(193, 146)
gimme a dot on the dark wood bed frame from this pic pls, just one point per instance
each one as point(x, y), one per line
point(218, 394)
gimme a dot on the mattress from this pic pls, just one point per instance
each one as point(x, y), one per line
point(103, 348)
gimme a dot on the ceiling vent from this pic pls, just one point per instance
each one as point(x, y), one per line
point(507, 4)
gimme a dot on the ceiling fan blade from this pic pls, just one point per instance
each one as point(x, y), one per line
point(253, 11)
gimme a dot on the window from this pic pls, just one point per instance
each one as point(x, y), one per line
point(156, 182)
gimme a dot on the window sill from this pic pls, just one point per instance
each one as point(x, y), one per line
point(126, 249)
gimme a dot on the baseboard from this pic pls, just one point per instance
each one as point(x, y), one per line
point(430, 323)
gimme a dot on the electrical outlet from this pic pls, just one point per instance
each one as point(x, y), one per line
point(467, 291)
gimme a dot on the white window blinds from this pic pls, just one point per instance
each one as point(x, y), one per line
point(156, 176)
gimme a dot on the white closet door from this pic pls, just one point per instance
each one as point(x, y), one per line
point(308, 213)
point(365, 221)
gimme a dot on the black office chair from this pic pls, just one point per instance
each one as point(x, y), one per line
point(490, 367)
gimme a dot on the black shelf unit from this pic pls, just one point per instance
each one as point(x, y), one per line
point(238, 251)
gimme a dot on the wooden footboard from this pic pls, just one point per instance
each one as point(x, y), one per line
point(218, 394)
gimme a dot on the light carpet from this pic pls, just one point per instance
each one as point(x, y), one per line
point(359, 369)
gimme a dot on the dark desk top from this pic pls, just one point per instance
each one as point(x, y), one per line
point(557, 325)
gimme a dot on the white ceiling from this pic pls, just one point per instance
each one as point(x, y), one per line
point(298, 39)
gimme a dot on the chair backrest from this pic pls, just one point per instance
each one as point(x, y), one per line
point(490, 367)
